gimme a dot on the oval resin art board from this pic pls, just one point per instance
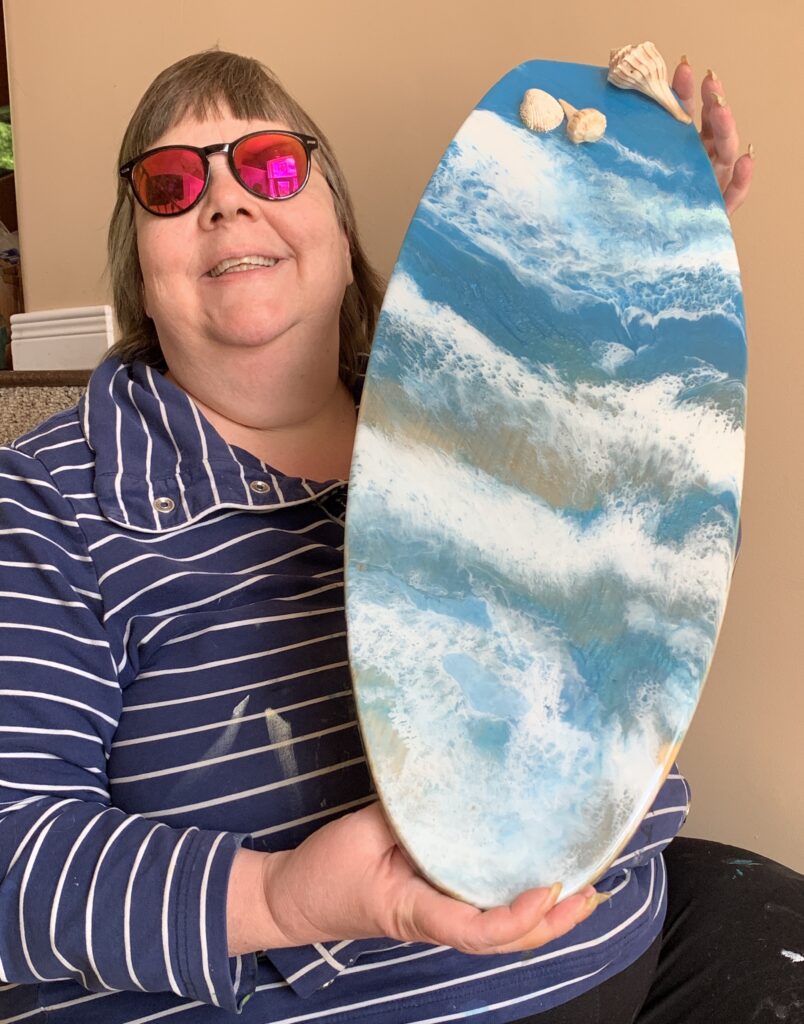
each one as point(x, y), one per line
point(544, 499)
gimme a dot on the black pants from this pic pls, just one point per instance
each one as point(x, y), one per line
point(731, 952)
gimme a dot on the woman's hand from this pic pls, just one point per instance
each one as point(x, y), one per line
point(718, 134)
point(349, 880)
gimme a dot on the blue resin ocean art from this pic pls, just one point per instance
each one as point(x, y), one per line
point(544, 500)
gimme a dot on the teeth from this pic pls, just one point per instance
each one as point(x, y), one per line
point(241, 263)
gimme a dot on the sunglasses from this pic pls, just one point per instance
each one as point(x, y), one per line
point(171, 180)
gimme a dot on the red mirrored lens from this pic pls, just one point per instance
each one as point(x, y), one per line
point(272, 165)
point(169, 181)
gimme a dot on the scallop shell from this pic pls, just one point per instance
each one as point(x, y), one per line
point(540, 111)
point(586, 125)
point(640, 66)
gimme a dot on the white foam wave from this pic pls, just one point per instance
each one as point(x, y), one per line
point(648, 164)
point(560, 220)
point(611, 355)
point(603, 434)
point(534, 545)
point(547, 788)
point(687, 640)
point(645, 317)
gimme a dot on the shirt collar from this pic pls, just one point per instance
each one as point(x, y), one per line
point(160, 465)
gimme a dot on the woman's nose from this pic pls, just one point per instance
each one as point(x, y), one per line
point(225, 197)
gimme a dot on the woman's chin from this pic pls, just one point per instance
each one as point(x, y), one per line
point(250, 334)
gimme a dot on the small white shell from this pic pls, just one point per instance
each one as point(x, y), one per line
point(587, 125)
point(640, 66)
point(540, 111)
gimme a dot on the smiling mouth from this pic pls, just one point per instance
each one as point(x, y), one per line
point(240, 263)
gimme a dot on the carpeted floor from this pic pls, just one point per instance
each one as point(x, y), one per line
point(23, 408)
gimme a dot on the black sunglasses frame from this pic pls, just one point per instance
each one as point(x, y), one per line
point(309, 142)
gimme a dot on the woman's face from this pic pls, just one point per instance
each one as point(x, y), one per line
point(292, 306)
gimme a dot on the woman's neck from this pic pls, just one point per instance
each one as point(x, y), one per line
point(300, 432)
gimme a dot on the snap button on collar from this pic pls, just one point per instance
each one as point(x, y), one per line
point(260, 486)
point(164, 504)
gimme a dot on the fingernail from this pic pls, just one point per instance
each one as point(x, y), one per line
point(751, 151)
point(593, 902)
point(555, 892)
point(710, 74)
point(720, 100)
point(683, 59)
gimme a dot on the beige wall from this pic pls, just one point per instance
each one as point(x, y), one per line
point(390, 83)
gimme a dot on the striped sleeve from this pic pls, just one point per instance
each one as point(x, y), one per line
point(309, 968)
point(87, 892)
point(659, 826)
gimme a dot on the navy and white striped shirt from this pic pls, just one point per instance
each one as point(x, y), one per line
point(174, 682)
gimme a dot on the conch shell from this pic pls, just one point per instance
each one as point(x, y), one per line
point(640, 66)
point(587, 125)
point(540, 111)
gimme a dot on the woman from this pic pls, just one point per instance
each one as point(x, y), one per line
point(189, 827)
